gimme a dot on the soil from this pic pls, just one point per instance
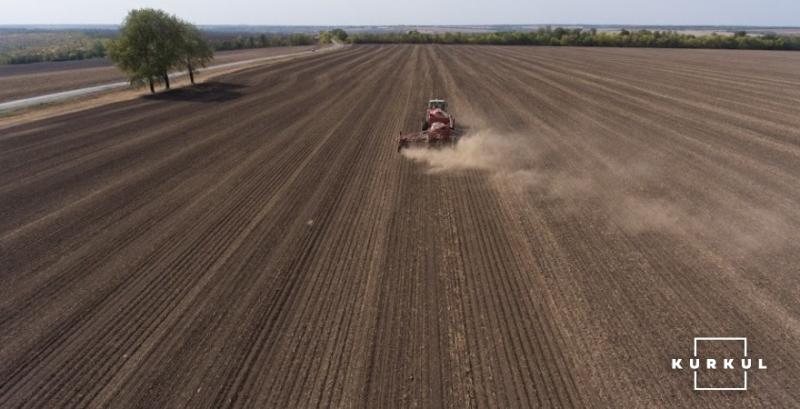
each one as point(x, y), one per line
point(257, 241)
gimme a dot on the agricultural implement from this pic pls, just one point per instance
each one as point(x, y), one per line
point(438, 127)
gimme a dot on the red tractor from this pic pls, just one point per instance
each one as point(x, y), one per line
point(438, 127)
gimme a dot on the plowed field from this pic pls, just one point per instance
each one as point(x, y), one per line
point(257, 241)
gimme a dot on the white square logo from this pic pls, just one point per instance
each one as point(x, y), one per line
point(744, 354)
point(731, 361)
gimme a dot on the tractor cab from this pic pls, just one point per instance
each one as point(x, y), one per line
point(437, 103)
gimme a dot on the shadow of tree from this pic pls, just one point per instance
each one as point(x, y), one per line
point(204, 92)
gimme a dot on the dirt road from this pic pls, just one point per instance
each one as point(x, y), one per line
point(258, 242)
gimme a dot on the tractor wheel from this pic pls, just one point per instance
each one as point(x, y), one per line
point(425, 125)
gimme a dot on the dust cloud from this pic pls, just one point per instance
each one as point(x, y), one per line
point(629, 193)
point(478, 150)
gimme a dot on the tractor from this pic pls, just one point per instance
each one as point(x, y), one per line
point(438, 127)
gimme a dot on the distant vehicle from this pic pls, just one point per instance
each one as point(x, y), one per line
point(438, 127)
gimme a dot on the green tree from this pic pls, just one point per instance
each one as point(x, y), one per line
point(339, 34)
point(149, 45)
point(195, 50)
point(324, 37)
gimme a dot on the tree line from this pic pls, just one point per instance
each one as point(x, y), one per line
point(98, 48)
point(27, 45)
point(261, 41)
point(590, 38)
point(95, 50)
point(151, 43)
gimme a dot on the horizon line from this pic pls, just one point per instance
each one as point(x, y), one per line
point(420, 25)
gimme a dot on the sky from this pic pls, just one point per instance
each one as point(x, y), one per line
point(414, 12)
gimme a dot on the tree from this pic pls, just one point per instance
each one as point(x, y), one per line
point(195, 50)
point(149, 45)
point(324, 37)
point(339, 34)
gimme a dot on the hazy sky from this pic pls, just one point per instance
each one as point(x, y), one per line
point(377, 12)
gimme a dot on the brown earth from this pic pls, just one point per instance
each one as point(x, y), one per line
point(257, 241)
point(20, 81)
